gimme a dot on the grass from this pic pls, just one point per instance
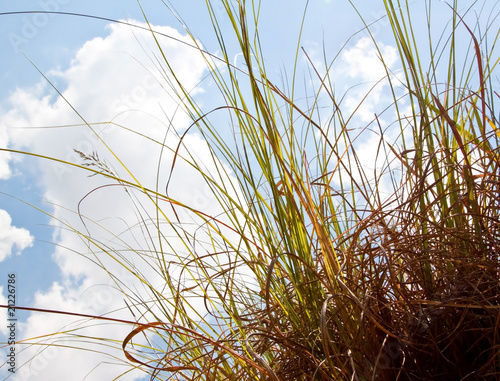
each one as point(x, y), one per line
point(313, 272)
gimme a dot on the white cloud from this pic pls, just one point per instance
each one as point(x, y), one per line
point(5, 157)
point(363, 62)
point(362, 76)
point(110, 79)
point(11, 237)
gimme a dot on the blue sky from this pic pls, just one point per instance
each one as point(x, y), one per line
point(108, 76)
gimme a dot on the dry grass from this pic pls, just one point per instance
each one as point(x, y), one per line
point(348, 284)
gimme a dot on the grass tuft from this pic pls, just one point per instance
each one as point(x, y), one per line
point(315, 271)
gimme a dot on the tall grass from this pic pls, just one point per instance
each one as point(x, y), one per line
point(313, 272)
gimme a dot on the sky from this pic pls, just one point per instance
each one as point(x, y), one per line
point(59, 72)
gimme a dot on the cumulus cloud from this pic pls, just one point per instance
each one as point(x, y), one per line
point(5, 157)
point(123, 124)
point(365, 62)
point(360, 76)
point(367, 65)
point(12, 237)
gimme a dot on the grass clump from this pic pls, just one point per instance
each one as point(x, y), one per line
point(355, 285)
point(329, 278)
